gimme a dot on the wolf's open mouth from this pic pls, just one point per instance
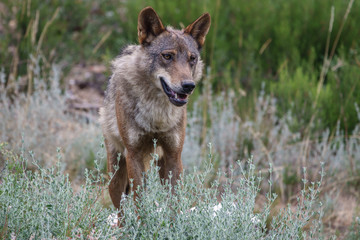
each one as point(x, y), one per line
point(176, 98)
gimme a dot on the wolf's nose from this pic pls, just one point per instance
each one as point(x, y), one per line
point(188, 86)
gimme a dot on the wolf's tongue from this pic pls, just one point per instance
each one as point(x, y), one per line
point(181, 96)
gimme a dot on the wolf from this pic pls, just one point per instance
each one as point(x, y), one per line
point(146, 99)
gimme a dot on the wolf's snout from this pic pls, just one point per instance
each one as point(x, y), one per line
point(188, 86)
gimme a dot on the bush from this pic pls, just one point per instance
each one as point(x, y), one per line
point(42, 204)
point(43, 122)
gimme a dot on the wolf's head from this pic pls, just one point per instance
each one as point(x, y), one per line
point(174, 54)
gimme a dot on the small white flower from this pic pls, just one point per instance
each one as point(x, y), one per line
point(217, 207)
point(192, 209)
point(113, 220)
point(13, 236)
point(255, 220)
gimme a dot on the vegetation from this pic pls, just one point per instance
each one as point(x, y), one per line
point(282, 43)
point(281, 84)
point(43, 205)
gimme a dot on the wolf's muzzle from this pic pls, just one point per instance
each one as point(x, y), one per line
point(178, 98)
point(188, 86)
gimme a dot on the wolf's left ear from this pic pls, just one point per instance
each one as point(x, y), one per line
point(149, 25)
point(199, 28)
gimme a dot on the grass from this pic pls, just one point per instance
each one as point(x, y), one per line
point(280, 43)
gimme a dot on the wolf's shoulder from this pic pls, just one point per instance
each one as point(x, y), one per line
point(128, 50)
point(127, 57)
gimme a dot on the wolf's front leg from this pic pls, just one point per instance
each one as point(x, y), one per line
point(171, 162)
point(172, 144)
point(119, 183)
point(135, 168)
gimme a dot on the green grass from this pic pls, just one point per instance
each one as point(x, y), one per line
point(250, 42)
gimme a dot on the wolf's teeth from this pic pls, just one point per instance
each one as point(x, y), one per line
point(176, 96)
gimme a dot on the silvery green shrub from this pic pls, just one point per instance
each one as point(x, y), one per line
point(43, 205)
point(191, 210)
point(43, 121)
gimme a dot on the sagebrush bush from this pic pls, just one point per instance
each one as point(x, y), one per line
point(43, 205)
point(267, 136)
point(42, 121)
point(194, 211)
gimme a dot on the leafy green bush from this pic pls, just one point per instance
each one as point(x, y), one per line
point(42, 204)
point(339, 95)
point(300, 87)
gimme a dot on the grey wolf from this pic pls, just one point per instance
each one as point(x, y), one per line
point(146, 99)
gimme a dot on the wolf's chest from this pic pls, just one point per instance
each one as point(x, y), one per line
point(157, 116)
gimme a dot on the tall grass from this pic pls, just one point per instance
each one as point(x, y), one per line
point(249, 43)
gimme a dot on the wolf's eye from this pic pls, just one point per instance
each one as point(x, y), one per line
point(192, 60)
point(167, 56)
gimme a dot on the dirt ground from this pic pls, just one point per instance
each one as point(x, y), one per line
point(85, 88)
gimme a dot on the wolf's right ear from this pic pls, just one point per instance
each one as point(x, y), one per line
point(199, 29)
point(149, 25)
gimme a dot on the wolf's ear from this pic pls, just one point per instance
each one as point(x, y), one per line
point(149, 25)
point(199, 28)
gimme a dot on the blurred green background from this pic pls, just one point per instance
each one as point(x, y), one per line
point(278, 44)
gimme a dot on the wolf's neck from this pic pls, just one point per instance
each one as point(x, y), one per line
point(155, 113)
